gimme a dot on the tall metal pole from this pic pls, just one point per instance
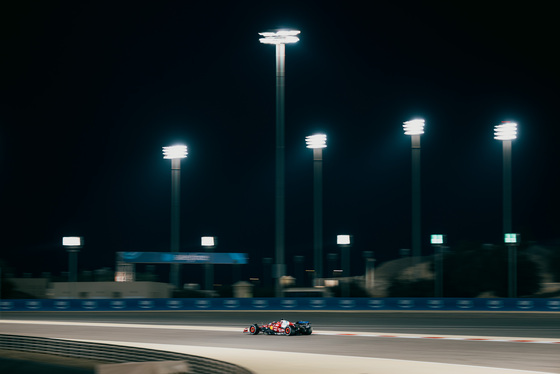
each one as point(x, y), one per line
point(280, 167)
point(72, 265)
point(507, 213)
point(318, 213)
point(346, 270)
point(512, 271)
point(506, 132)
point(416, 236)
point(439, 271)
point(300, 277)
point(209, 273)
point(507, 186)
point(175, 205)
point(279, 38)
point(369, 275)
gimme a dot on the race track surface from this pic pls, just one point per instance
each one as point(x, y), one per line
point(517, 341)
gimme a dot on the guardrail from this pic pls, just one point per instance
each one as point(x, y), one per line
point(490, 304)
point(109, 353)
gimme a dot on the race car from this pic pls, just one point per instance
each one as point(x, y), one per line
point(282, 327)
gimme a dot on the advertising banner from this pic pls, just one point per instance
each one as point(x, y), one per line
point(182, 258)
point(297, 303)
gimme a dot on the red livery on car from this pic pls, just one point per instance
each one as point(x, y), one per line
point(282, 327)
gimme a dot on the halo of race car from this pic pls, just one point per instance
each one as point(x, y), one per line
point(281, 327)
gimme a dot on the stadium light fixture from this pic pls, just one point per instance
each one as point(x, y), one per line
point(437, 239)
point(208, 241)
point(316, 141)
point(344, 240)
point(511, 238)
point(279, 37)
point(505, 131)
point(414, 127)
point(174, 152)
point(73, 241)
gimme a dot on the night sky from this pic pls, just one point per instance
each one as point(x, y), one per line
point(91, 91)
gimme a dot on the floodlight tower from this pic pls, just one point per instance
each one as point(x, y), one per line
point(438, 242)
point(209, 242)
point(175, 154)
point(506, 132)
point(280, 38)
point(345, 242)
point(73, 244)
point(415, 128)
point(317, 143)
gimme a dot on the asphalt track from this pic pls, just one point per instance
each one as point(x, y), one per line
point(348, 342)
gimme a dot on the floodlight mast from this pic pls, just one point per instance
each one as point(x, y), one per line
point(438, 241)
point(209, 243)
point(506, 132)
point(73, 244)
point(175, 154)
point(415, 128)
point(317, 143)
point(345, 242)
point(280, 38)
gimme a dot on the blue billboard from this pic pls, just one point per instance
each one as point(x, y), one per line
point(324, 304)
point(182, 258)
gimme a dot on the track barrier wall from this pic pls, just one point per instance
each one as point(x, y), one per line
point(298, 303)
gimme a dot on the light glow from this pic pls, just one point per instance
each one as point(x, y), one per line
point(316, 141)
point(511, 238)
point(175, 151)
point(437, 239)
point(414, 127)
point(343, 239)
point(279, 37)
point(208, 241)
point(72, 241)
point(505, 131)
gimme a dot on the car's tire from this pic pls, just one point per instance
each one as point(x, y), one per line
point(289, 330)
point(307, 331)
point(254, 329)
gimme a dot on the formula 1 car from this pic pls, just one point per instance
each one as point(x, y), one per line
point(282, 327)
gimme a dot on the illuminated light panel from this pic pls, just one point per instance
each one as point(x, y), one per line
point(316, 141)
point(437, 239)
point(505, 131)
point(72, 241)
point(175, 151)
point(207, 241)
point(510, 238)
point(414, 127)
point(279, 37)
point(343, 239)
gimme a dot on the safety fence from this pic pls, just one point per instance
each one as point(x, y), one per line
point(465, 304)
point(109, 353)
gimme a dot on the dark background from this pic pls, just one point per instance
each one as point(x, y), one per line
point(91, 91)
